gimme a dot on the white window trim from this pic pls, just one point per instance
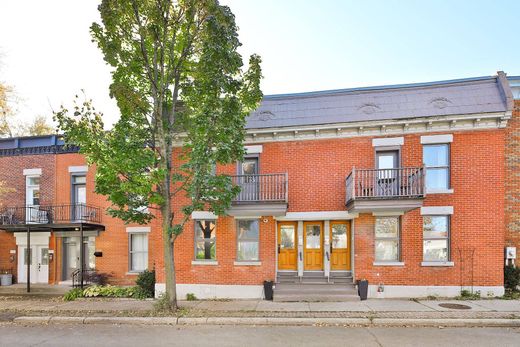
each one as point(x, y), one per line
point(256, 149)
point(436, 139)
point(436, 210)
point(247, 263)
point(388, 141)
point(439, 191)
point(388, 263)
point(437, 263)
point(387, 214)
point(203, 215)
point(136, 230)
point(78, 169)
point(204, 262)
point(32, 172)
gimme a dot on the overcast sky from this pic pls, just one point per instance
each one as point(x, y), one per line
point(48, 57)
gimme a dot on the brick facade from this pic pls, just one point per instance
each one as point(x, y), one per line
point(482, 223)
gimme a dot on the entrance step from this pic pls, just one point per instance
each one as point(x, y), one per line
point(306, 292)
point(314, 277)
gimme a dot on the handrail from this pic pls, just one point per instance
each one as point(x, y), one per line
point(271, 187)
point(403, 182)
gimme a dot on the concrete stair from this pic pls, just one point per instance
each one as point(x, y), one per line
point(315, 287)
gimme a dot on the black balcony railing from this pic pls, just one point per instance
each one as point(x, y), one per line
point(261, 188)
point(385, 183)
point(50, 214)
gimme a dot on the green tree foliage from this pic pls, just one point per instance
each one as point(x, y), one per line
point(179, 82)
point(5, 110)
point(39, 126)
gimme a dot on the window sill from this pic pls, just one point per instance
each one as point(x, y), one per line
point(438, 263)
point(388, 263)
point(134, 273)
point(247, 263)
point(439, 191)
point(204, 262)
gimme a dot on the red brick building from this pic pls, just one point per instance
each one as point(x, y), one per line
point(404, 186)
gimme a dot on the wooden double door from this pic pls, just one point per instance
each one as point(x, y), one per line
point(313, 245)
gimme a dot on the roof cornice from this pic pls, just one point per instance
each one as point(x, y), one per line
point(411, 125)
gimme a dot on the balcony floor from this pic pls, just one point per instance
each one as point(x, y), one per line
point(384, 204)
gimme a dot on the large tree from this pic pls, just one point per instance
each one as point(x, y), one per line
point(178, 82)
point(5, 110)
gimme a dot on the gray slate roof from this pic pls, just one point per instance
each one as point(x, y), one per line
point(454, 97)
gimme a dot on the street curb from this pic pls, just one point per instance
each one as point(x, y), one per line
point(423, 322)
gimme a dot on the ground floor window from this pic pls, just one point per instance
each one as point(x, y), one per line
point(387, 239)
point(436, 238)
point(247, 240)
point(205, 240)
point(138, 244)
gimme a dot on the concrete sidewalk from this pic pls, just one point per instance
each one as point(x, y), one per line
point(51, 309)
point(368, 306)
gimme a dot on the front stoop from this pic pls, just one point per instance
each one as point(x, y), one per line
point(315, 287)
point(315, 292)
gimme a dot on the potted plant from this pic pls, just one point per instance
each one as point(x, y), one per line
point(6, 277)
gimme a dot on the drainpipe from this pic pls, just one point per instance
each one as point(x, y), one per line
point(81, 254)
point(28, 259)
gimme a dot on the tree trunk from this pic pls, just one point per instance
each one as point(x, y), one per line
point(169, 266)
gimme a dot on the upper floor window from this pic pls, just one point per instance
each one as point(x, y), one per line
point(387, 239)
point(437, 163)
point(205, 240)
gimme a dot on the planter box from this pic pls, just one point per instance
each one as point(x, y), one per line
point(6, 279)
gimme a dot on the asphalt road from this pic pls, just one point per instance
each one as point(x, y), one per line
point(128, 335)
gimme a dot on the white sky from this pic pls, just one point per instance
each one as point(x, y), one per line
point(47, 54)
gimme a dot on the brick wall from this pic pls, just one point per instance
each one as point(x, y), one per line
point(317, 171)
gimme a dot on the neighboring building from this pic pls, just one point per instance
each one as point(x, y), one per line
point(404, 186)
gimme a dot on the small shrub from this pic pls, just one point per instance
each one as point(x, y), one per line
point(511, 295)
point(146, 281)
point(73, 294)
point(191, 297)
point(467, 295)
point(162, 304)
point(511, 277)
point(109, 291)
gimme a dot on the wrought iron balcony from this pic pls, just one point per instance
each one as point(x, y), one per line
point(49, 215)
point(261, 188)
point(380, 189)
point(265, 194)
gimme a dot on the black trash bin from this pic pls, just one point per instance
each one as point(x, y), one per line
point(268, 290)
point(362, 289)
